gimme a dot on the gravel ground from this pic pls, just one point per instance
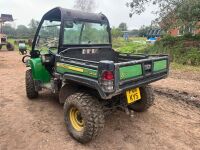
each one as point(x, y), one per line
point(25, 124)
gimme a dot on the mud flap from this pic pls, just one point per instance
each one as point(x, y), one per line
point(66, 91)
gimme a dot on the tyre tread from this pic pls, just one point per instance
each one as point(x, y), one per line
point(94, 113)
point(30, 87)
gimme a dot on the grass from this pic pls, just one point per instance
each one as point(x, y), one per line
point(188, 68)
point(12, 41)
point(139, 45)
point(185, 60)
point(133, 45)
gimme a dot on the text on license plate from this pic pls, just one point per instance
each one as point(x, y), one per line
point(133, 95)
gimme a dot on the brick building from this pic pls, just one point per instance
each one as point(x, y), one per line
point(180, 31)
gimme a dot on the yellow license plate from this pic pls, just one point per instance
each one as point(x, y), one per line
point(133, 95)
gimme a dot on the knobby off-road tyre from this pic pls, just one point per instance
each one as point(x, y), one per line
point(30, 87)
point(90, 114)
point(10, 47)
point(146, 101)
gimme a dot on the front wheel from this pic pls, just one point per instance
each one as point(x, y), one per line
point(146, 101)
point(84, 117)
point(30, 85)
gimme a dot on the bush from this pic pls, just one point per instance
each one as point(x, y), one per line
point(196, 37)
point(174, 46)
point(188, 36)
point(168, 40)
point(177, 49)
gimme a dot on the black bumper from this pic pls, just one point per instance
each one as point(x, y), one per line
point(120, 88)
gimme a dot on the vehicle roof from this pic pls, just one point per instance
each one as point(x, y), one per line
point(64, 14)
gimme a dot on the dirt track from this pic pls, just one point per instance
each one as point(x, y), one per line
point(25, 124)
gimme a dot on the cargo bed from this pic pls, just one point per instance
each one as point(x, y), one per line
point(130, 70)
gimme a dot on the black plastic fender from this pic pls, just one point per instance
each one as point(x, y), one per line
point(66, 91)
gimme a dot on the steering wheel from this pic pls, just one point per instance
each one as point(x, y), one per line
point(51, 49)
point(35, 53)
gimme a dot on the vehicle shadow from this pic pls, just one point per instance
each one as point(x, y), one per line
point(119, 127)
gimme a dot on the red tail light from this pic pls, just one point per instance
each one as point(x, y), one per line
point(107, 75)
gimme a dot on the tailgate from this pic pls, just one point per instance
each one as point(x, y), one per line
point(140, 72)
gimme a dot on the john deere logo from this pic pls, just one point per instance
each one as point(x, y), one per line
point(147, 66)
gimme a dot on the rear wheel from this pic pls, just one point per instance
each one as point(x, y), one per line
point(146, 101)
point(30, 86)
point(84, 117)
point(10, 47)
point(0, 47)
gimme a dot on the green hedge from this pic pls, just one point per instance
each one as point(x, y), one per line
point(175, 47)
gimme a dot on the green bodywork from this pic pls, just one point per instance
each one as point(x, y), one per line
point(39, 72)
point(136, 70)
point(160, 65)
point(66, 68)
point(130, 71)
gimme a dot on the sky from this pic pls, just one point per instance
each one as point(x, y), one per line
point(116, 11)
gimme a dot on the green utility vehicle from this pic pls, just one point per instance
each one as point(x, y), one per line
point(72, 56)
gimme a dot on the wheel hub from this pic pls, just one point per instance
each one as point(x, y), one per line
point(76, 119)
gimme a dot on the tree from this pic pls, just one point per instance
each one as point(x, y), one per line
point(116, 32)
point(85, 5)
point(171, 12)
point(22, 31)
point(143, 31)
point(9, 30)
point(134, 32)
point(33, 27)
point(188, 14)
point(123, 26)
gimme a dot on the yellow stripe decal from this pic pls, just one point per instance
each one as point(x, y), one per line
point(70, 67)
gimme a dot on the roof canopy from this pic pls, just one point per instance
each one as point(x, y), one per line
point(59, 13)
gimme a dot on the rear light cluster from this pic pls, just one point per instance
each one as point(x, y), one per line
point(107, 81)
point(106, 78)
point(107, 75)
